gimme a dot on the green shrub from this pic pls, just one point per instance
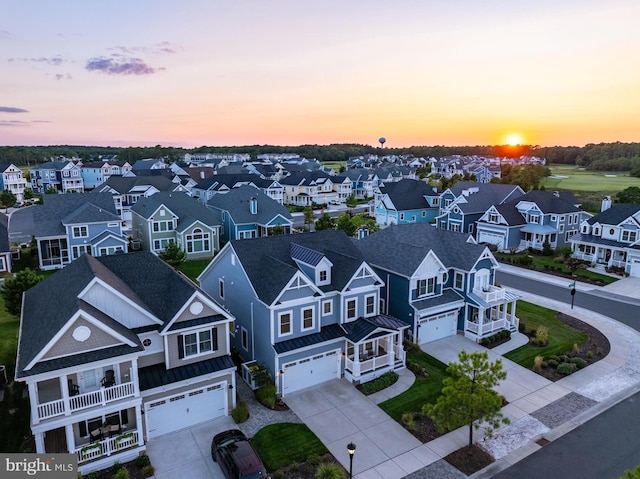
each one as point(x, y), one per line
point(116, 467)
point(148, 470)
point(581, 363)
point(537, 363)
point(383, 382)
point(313, 460)
point(330, 470)
point(143, 460)
point(542, 336)
point(122, 473)
point(240, 413)
point(564, 358)
point(408, 420)
point(544, 364)
point(555, 358)
point(566, 368)
point(589, 354)
point(552, 363)
point(92, 475)
point(279, 474)
point(266, 395)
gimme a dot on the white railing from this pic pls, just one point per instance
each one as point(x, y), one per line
point(399, 352)
point(358, 368)
point(51, 409)
point(107, 447)
point(619, 263)
point(483, 329)
point(83, 401)
point(490, 294)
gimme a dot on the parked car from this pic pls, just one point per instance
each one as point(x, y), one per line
point(236, 456)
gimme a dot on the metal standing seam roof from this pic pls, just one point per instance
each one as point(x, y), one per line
point(157, 375)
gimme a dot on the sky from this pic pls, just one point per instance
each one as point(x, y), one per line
point(248, 72)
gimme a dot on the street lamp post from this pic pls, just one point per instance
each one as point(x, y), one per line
point(351, 449)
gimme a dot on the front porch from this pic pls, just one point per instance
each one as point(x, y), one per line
point(367, 360)
point(487, 318)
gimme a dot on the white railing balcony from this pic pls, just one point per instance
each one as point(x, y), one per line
point(490, 294)
point(619, 263)
point(479, 330)
point(107, 447)
point(399, 353)
point(358, 368)
point(99, 397)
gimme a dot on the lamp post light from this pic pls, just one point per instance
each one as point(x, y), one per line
point(351, 449)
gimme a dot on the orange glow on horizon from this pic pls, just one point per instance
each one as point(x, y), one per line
point(513, 139)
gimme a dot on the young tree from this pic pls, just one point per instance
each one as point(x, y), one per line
point(344, 223)
point(629, 195)
point(309, 217)
point(52, 190)
point(173, 255)
point(351, 202)
point(468, 397)
point(325, 222)
point(13, 288)
point(276, 230)
point(7, 199)
point(28, 194)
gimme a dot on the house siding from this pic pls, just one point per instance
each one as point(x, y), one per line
point(67, 345)
point(173, 354)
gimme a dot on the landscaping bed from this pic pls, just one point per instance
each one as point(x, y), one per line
point(139, 468)
point(469, 464)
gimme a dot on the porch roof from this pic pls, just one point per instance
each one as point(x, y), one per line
point(327, 333)
point(158, 375)
point(540, 229)
point(447, 296)
point(597, 240)
point(196, 322)
point(509, 297)
point(372, 327)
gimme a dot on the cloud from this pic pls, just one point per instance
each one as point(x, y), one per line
point(11, 109)
point(158, 48)
point(57, 60)
point(60, 76)
point(13, 123)
point(120, 65)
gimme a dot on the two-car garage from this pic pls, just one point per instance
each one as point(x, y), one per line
point(185, 409)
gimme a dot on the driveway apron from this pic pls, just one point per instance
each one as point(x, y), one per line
point(339, 414)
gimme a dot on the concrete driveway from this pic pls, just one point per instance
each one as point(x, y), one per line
point(187, 453)
point(339, 414)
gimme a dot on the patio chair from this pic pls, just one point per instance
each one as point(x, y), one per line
point(74, 390)
point(108, 379)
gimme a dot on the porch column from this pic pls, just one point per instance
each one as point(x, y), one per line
point(34, 400)
point(64, 388)
point(71, 441)
point(139, 426)
point(39, 438)
point(391, 350)
point(134, 377)
point(481, 320)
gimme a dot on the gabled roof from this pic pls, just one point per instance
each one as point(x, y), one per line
point(187, 209)
point(237, 203)
point(479, 197)
point(551, 202)
point(49, 219)
point(231, 180)
point(141, 277)
point(511, 214)
point(270, 257)
point(615, 215)
point(409, 194)
point(124, 184)
point(52, 165)
point(307, 177)
point(402, 248)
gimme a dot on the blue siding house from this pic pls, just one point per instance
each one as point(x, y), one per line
point(306, 308)
point(439, 282)
point(66, 226)
point(406, 201)
point(247, 212)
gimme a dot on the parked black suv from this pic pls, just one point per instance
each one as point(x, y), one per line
point(236, 456)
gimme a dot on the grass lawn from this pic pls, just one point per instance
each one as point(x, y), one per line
point(582, 180)
point(424, 390)
point(194, 267)
point(282, 444)
point(561, 336)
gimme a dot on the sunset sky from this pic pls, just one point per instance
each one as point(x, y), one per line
point(244, 72)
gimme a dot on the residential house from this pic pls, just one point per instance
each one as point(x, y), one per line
point(364, 182)
point(66, 226)
point(118, 350)
point(222, 183)
point(306, 309)
point(314, 188)
point(64, 176)
point(439, 282)
point(406, 201)
point(611, 238)
point(95, 173)
point(531, 221)
point(5, 245)
point(170, 216)
point(246, 212)
point(126, 190)
point(11, 179)
point(462, 205)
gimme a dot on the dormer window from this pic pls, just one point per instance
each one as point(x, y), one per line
point(323, 276)
point(596, 230)
point(585, 229)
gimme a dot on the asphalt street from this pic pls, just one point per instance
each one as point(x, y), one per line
point(608, 444)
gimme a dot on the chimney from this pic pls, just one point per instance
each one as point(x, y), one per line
point(253, 206)
point(202, 175)
point(606, 203)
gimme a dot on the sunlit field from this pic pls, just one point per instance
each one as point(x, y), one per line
point(568, 177)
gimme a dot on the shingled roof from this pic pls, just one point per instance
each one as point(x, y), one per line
point(185, 207)
point(270, 257)
point(615, 215)
point(402, 248)
point(237, 203)
point(408, 194)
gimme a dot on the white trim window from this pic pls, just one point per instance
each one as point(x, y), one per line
point(162, 226)
point(80, 231)
point(352, 308)
point(198, 241)
point(245, 338)
point(307, 319)
point(426, 286)
point(629, 236)
point(458, 280)
point(161, 244)
point(370, 305)
point(327, 307)
point(77, 251)
point(284, 324)
point(199, 342)
point(221, 288)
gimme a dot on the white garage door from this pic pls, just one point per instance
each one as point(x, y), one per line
point(310, 371)
point(437, 327)
point(185, 409)
point(634, 269)
point(491, 238)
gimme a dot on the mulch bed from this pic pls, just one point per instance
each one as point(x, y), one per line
point(469, 463)
point(135, 472)
point(302, 470)
point(596, 348)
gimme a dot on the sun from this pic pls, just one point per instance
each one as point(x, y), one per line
point(513, 139)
